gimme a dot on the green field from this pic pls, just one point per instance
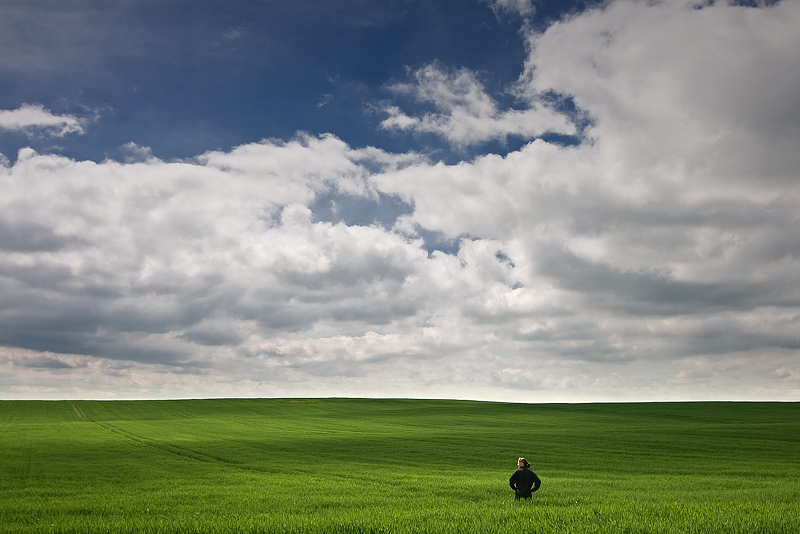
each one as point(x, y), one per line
point(349, 465)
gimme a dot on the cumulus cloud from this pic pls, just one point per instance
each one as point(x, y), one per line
point(465, 114)
point(681, 204)
point(152, 261)
point(716, 85)
point(34, 119)
point(656, 259)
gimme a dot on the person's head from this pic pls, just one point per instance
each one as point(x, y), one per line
point(522, 462)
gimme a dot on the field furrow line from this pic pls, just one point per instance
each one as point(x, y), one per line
point(165, 447)
point(158, 445)
point(79, 412)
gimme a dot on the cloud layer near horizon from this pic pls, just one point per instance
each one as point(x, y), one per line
point(656, 258)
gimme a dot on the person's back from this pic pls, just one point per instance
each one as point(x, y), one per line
point(524, 481)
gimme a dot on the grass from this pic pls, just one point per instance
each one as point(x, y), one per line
point(396, 466)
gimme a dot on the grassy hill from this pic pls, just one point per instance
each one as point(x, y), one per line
point(356, 465)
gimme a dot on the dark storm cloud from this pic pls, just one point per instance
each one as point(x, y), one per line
point(29, 237)
point(645, 293)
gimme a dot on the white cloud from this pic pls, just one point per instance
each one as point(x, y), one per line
point(152, 261)
point(717, 86)
point(34, 119)
point(682, 205)
point(133, 153)
point(465, 114)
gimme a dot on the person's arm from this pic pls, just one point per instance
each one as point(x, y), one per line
point(513, 481)
point(536, 483)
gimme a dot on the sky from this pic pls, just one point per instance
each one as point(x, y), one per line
point(509, 200)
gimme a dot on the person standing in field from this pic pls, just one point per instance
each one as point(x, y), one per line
point(524, 481)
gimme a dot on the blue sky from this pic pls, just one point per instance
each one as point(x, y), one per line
point(489, 199)
point(186, 77)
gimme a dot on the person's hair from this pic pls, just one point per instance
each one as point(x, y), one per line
point(524, 462)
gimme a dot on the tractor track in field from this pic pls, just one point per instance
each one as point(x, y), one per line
point(79, 412)
point(173, 450)
point(166, 447)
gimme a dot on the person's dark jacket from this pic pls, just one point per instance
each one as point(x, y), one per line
point(524, 482)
